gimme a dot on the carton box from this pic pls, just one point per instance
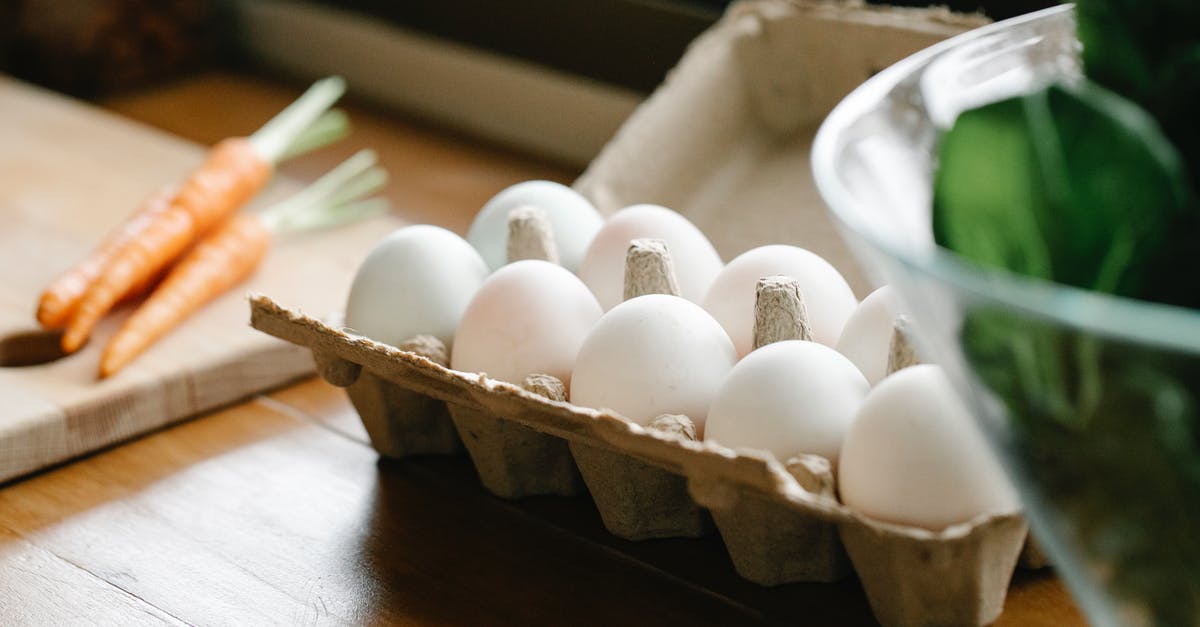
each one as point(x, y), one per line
point(724, 141)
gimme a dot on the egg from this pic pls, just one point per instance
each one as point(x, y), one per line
point(828, 299)
point(652, 355)
point(529, 317)
point(913, 456)
point(867, 336)
point(788, 398)
point(417, 280)
point(572, 217)
point(603, 268)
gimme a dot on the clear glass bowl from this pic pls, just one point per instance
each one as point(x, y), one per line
point(1092, 401)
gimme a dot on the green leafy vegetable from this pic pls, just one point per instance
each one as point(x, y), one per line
point(1119, 461)
point(1070, 184)
point(1149, 52)
point(1093, 185)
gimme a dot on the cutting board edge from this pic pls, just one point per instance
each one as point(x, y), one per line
point(274, 367)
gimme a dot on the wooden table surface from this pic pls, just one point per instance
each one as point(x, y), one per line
point(277, 511)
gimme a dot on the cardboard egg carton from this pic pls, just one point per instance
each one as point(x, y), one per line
point(780, 523)
point(725, 142)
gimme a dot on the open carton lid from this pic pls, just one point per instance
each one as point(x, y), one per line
point(725, 139)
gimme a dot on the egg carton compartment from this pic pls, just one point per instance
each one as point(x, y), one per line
point(957, 576)
point(401, 422)
point(513, 460)
point(725, 142)
point(767, 541)
point(777, 523)
point(637, 500)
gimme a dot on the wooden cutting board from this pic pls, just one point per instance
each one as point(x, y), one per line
point(68, 173)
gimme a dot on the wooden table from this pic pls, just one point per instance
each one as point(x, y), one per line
point(277, 511)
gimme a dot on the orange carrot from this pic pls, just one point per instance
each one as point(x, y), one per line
point(234, 171)
point(62, 296)
point(233, 250)
point(231, 175)
point(223, 259)
point(60, 299)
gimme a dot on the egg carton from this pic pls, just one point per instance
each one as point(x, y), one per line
point(743, 103)
point(780, 523)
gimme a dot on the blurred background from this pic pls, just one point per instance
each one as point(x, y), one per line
point(486, 68)
point(92, 47)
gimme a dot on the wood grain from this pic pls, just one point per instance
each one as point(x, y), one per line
point(63, 191)
point(39, 587)
point(265, 514)
point(277, 519)
point(277, 512)
point(69, 173)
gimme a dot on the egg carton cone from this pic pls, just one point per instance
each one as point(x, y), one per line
point(513, 460)
point(916, 577)
point(637, 500)
point(773, 544)
point(769, 543)
point(919, 578)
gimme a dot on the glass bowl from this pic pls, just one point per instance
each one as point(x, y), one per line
point(1092, 401)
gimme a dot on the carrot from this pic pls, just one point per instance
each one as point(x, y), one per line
point(233, 251)
point(58, 302)
point(219, 262)
point(230, 176)
point(235, 170)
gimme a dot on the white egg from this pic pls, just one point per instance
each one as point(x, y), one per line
point(828, 299)
point(914, 456)
point(417, 280)
point(603, 269)
point(529, 317)
point(788, 398)
point(653, 355)
point(572, 218)
point(867, 337)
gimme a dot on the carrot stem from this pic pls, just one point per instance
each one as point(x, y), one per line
point(329, 190)
point(337, 215)
point(332, 126)
point(272, 140)
point(360, 186)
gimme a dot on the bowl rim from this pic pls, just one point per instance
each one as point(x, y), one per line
point(1139, 321)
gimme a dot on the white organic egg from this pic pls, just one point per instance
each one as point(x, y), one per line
point(867, 337)
point(573, 220)
point(913, 456)
point(603, 269)
point(788, 398)
point(417, 280)
point(529, 317)
point(828, 299)
point(653, 355)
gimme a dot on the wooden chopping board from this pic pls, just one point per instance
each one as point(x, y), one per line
point(68, 173)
